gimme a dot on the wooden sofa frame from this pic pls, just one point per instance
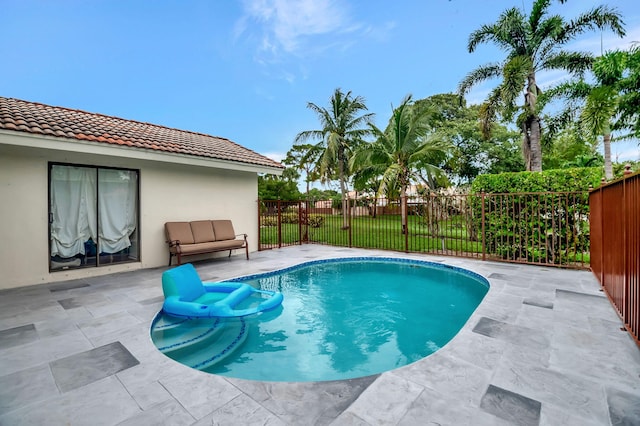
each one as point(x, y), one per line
point(202, 237)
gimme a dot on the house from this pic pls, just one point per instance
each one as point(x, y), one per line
point(86, 194)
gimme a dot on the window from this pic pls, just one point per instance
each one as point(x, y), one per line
point(93, 216)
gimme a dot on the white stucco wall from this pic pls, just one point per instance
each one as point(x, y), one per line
point(168, 192)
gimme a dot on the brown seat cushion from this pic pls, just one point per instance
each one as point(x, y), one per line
point(207, 247)
point(202, 231)
point(223, 230)
point(180, 231)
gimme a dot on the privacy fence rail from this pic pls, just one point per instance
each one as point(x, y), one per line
point(615, 246)
point(545, 228)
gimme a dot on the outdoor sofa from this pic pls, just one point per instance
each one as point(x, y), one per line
point(201, 237)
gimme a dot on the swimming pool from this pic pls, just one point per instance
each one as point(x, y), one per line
point(340, 319)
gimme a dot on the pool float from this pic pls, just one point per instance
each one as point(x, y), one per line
point(185, 295)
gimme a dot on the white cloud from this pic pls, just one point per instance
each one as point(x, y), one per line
point(286, 30)
point(606, 41)
point(285, 23)
point(275, 156)
point(622, 151)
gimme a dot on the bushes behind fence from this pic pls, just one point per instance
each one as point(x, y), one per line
point(536, 216)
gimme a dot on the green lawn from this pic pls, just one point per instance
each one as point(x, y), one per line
point(451, 236)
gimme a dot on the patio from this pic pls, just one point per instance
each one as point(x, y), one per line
point(544, 348)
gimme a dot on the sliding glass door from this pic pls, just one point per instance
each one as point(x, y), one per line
point(93, 216)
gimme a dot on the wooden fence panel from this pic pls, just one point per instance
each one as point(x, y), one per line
point(615, 246)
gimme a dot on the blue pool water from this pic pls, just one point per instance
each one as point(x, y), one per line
point(340, 319)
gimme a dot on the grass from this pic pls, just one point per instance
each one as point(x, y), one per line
point(451, 236)
point(381, 232)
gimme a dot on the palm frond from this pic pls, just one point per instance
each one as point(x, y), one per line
point(503, 33)
point(478, 75)
point(538, 10)
point(514, 74)
point(600, 17)
point(573, 62)
point(489, 111)
point(599, 110)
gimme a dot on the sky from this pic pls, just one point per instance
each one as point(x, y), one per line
point(246, 69)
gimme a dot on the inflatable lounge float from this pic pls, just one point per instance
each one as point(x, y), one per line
point(185, 295)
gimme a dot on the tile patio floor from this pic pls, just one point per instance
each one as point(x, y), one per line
point(543, 348)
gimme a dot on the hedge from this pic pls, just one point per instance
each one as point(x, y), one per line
point(543, 219)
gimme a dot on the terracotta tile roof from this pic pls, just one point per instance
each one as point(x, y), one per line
point(36, 118)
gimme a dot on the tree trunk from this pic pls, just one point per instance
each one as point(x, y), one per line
point(535, 145)
point(532, 134)
point(343, 192)
point(608, 169)
point(403, 208)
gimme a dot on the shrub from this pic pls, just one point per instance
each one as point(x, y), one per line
point(559, 180)
point(269, 221)
point(290, 217)
point(541, 225)
point(315, 220)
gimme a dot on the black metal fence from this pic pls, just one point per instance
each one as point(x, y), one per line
point(546, 228)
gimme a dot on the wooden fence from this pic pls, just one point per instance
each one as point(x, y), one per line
point(615, 246)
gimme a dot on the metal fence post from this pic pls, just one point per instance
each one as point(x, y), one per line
point(484, 251)
point(279, 224)
point(349, 222)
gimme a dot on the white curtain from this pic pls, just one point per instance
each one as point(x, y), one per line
point(117, 200)
point(73, 209)
point(74, 192)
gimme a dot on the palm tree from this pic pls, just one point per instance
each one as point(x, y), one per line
point(533, 43)
point(342, 129)
point(398, 151)
point(599, 101)
point(303, 158)
point(630, 100)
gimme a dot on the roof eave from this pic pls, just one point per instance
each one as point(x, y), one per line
point(17, 139)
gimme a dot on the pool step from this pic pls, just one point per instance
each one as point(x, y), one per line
point(187, 335)
point(167, 322)
point(200, 343)
point(231, 337)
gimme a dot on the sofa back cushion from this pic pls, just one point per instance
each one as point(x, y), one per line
point(223, 230)
point(202, 231)
point(179, 231)
point(183, 282)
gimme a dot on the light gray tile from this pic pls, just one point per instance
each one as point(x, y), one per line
point(552, 415)
point(148, 394)
point(515, 334)
point(200, 393)
point(53, 328)
point(169, 412)
point(448, 376)
point(26, 387)
point(105, 402)
point(476, 349)
point(317, 402)
point(386, 400)
point(42, 351)
point(108, 324)
point(241, 410)
point(579, 396)
point(433, 408)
